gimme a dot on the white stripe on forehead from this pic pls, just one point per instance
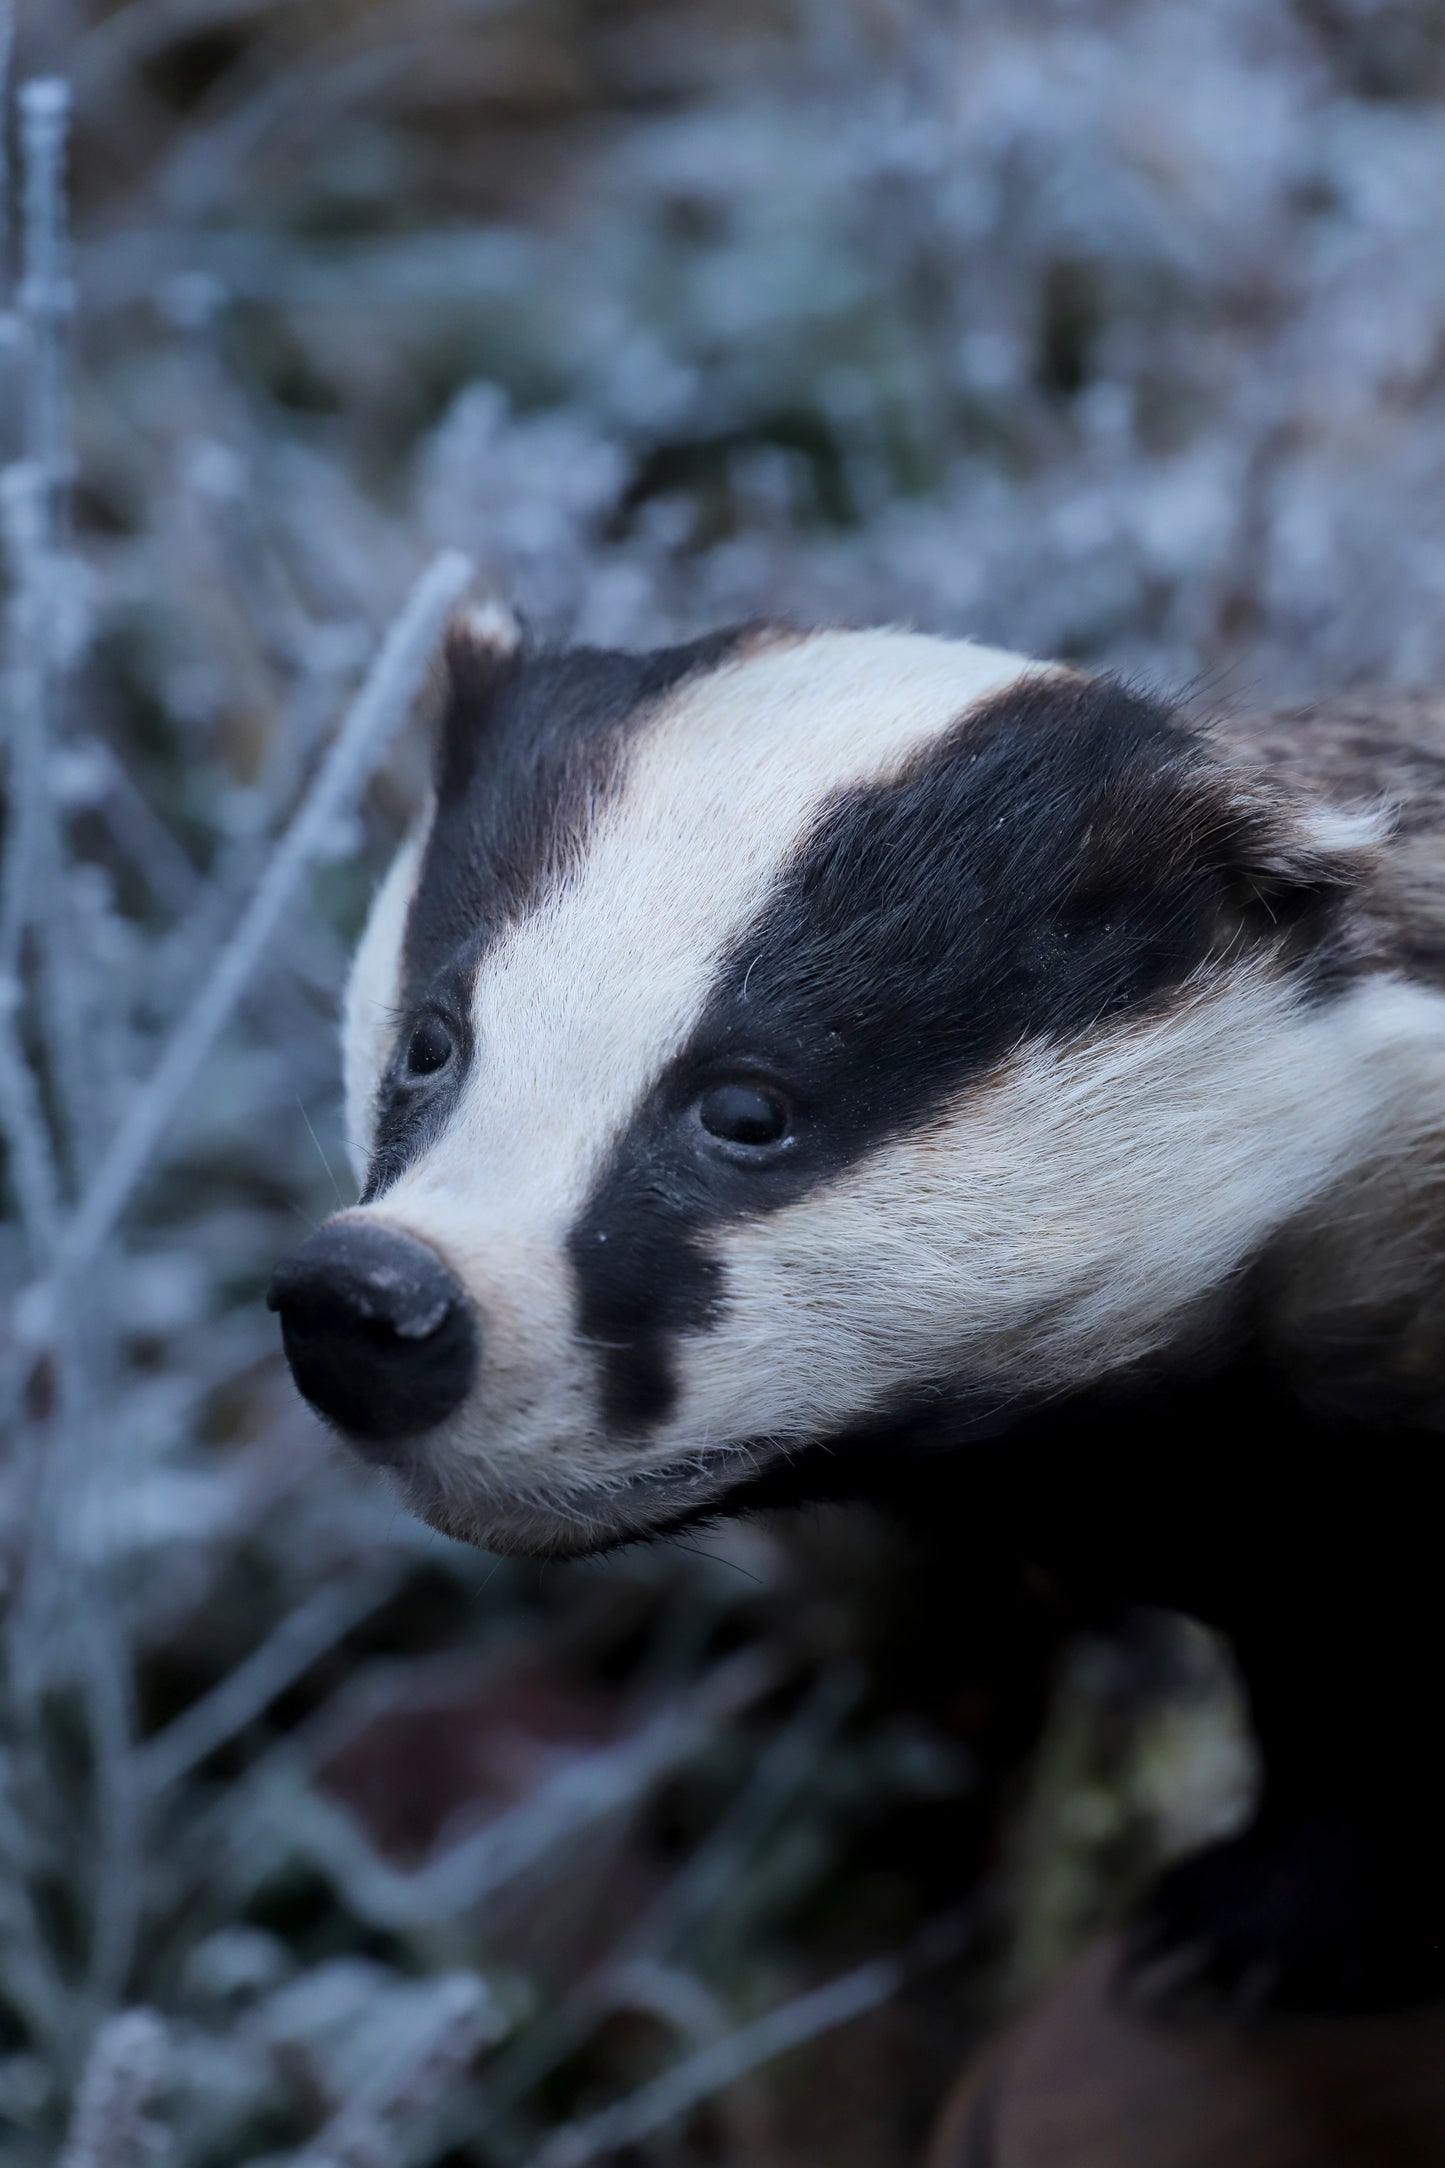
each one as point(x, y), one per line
point(579, 1006)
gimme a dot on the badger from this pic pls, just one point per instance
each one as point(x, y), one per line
point(805, 1065)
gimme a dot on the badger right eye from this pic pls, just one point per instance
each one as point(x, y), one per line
point(429, 1048)
point(744, 1113)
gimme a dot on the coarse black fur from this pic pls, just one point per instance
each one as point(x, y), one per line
point(1072, 851)
point(1302, 1538)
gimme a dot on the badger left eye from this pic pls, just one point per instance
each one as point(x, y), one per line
point(748, 1114)
point(429, 1047)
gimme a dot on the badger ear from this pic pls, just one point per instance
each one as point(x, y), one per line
point(484, 630)
point(480, 649)
point(1290, 855)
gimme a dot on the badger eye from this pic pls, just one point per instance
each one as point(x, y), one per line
point(429, 1047)
point(744, 1114)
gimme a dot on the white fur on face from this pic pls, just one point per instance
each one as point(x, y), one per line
point(1062, 1217)
point(580, 1005)
point(1054, 1221)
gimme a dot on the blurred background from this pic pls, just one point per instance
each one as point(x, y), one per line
point(1107, 329)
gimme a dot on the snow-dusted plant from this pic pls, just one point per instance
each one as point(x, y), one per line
point(1110, 330)
point(168, 949)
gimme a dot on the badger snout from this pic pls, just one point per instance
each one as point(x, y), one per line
point(379, 1334)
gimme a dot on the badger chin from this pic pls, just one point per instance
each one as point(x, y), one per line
point(881, 1458)
point(580, 1521)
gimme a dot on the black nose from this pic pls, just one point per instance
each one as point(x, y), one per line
point(378, 1333)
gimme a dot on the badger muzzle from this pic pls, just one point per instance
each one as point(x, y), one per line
point(379, 1334)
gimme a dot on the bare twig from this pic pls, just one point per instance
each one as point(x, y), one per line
point(22, 1122)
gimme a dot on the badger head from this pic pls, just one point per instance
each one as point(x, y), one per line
point(789, 1039)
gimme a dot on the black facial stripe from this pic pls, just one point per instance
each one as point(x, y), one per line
point(642, 1275)
point(1069, 853)
point(1063, 855)
point(531, 746)
point(412, 1112)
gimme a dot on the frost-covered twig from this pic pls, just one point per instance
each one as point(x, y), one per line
point(714, 1869)
point(786, 1766)
point(199, 935)
point(378, 713)
point(22, 1123)
point(41, 622)
point(28, 855)
point(412, 2081)
point(588, 1789)
point(297, 1643)
point(689, 2009)
point(28, 1970)
point(52, 1628)
point(112, 2127)
point(46, 295)
point(653, 2107)
point(7, 46)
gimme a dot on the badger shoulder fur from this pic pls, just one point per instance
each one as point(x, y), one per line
point(854, 1063)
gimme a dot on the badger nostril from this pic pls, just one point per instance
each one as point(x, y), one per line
point(379, 1334)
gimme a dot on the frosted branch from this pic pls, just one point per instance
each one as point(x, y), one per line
point(412, 2082)
point(589, 1789)
point(111, 2127)
point(27, 852)
point(786, 1766)
point(46, 294)
point(7, 48)
point(35, 895)
point(701, 1883)
point(27, 1964)
point(380, 709)
point(713, 2068)
point(298, 1642)
point(22, 1122)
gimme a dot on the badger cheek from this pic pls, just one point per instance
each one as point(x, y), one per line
point(776, 1366)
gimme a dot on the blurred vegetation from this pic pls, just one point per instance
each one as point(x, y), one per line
point(1113, 329)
